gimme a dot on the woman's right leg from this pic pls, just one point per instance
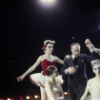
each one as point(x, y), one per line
point(43, 93)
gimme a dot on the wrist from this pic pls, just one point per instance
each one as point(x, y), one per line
point(23, 75)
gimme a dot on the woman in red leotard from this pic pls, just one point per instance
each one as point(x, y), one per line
point(45, 60)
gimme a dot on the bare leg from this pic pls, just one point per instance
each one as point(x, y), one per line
point(43, 93)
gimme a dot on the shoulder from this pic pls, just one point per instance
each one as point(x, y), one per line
point(82, 54)
point(67, 56)
point(40, 57)
point(55, 57)
point(90, 81)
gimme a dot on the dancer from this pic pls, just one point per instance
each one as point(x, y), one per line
point(53, 86)
point(93, 84)
point(75, 67)
point(45, 60)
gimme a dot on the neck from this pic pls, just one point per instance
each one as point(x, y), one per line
point(73, 56)
point(98, 77)
point(47, 54)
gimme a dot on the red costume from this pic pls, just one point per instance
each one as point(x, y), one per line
point(40, 78)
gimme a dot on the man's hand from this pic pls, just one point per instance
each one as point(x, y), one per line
point(70, 70)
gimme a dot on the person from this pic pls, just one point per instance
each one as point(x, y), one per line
point(53, 87)
point(93, 84)
point(75, 67)
point(45, 60)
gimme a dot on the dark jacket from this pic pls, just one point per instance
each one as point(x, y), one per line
point(80, 77)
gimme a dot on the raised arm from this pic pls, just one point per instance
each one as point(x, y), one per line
point(91, 47)
point(20, 78)
point(49, 91)
point(91, 57)
point(85, 93)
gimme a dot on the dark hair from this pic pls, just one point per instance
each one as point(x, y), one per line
point(74, 44)
point(50, 69)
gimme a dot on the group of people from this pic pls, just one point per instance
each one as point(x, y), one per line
point(50, 80)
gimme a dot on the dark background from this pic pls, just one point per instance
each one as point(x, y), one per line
point(29, 24)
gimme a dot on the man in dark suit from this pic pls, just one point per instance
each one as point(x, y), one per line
point(75, 67)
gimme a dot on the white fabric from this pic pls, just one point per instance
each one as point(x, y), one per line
point(94, 91)
point(53, 92)
point(40, 79)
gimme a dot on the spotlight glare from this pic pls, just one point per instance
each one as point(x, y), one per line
point(47, 3)
point(65, 93)
point(27, 97)
point(36, 96)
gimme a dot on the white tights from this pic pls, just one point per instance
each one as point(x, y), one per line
point(43, 93)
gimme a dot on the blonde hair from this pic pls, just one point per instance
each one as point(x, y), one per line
point(95, 62)
point(49, 41)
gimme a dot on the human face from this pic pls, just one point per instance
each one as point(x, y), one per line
point(55, 73)
point(96, 69)
point(75, 49)
point(49, 48)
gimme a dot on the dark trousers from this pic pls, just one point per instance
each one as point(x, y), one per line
point(76, 94)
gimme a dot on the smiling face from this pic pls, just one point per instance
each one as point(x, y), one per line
point(96, 69)
point(49, 48)
point(75, 49)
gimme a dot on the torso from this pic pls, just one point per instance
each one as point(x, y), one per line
point(94, 89)
point(46, 62)
point(56, 89)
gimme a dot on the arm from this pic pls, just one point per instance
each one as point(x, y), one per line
point(91, 47)
point(62, 94)
point(20, 78)
point(49, 91)
point(68, 67)
point(60, 61)
point(91, 57)
point(63, 72)
point(85, 93)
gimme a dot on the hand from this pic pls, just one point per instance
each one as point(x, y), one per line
point(89, 44)
point(60, 98)
point(20, 78)
point(97, 50)
point(71, 70)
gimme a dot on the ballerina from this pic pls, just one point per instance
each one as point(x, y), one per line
point(45, 60)
point(53, 86)
point(93, 84)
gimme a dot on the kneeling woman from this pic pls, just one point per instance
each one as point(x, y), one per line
point(53, 86)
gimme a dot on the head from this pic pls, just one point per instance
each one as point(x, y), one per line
point(52, 71)
point(48, 46)
point(75, 49)
point(96, 67)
